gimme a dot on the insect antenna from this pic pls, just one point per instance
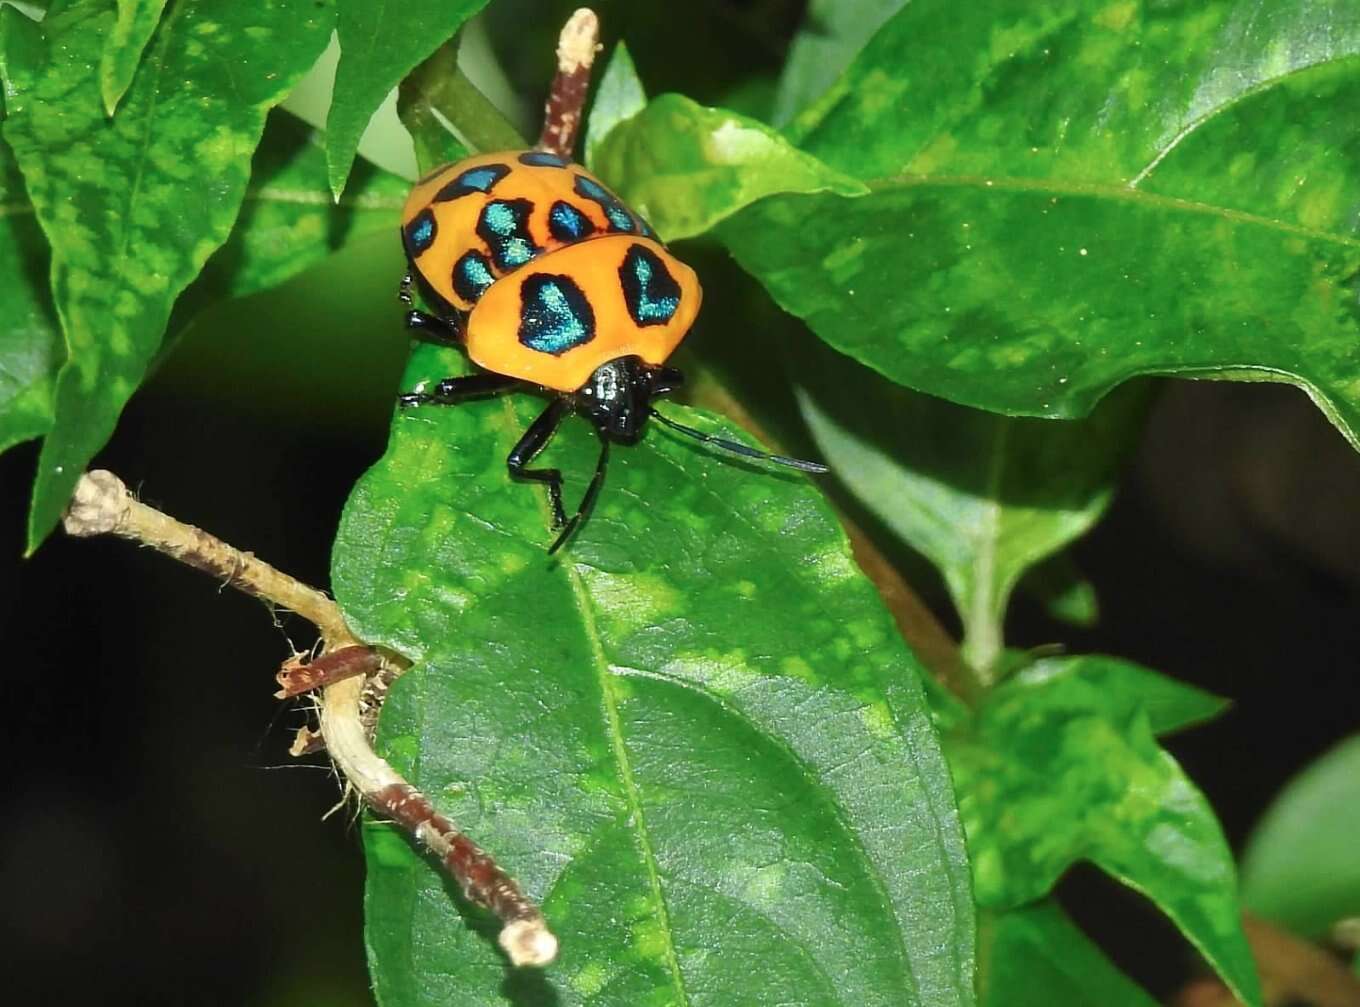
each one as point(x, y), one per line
point(587, 501)
point(740, 449)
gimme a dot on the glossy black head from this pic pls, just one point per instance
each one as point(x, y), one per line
point(618, 396)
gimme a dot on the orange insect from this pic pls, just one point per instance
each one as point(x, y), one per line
point(549, 280)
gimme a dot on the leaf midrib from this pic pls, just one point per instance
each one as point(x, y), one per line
point(982, 635)
point(623, 761)
point(614, 729)
point(1121, 193)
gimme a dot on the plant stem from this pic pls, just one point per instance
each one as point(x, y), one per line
point(446, 114)
point(103, 506)
point(564, 111)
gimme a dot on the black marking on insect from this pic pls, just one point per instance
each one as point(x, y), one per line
point(480, 179)
point(504, 226)
point(555, 314)
point(472, 275)
point(420, 232)
point(568, 224)
point(542, 159)
point(619, 217)
point(649, 290)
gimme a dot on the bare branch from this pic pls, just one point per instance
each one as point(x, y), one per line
point(562, 115)
point(103, 506)
point(297, 676)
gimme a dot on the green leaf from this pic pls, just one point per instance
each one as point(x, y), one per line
point(1300, 868)
point(695, 735)
point(833, 32)
point(1100, 91)
point(30, 336)
point(447, 116)
point(983, 497)
point(1061, 764)
point(685, 167)
point(289, 221)
point(1170, 705)
point(618, 97)
point(350, 344)
point(1065, 594)
point(137, 20)
point(1037, 957)
point(381, 41)
point(1068, 195)
point(132, 207)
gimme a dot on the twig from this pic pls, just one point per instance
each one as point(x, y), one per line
point(297, 676)
point(576, 48)
point(103, 506)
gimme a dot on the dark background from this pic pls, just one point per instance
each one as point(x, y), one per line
point(160, 845)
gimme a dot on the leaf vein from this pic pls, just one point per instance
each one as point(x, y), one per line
point(1105, 191)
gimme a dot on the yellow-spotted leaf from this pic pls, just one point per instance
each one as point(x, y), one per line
point(381, 41)
point(122, 54)
point(133, 206)
point(694, 734)
point(1066, 195)
point(1060, 763)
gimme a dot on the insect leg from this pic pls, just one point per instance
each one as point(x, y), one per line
point(452, 391)
point(587, 501)
point(432, 327)
point(534, 441)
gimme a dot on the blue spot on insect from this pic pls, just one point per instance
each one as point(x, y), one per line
point(472, 275)
point(479, 179)
point(542, 159)
point(504, 226)
point(619, 217)
point(650, 292)
point(566, 223)
point(420, 232)
point(555, 314)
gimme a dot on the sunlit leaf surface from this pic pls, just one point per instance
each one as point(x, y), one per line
point(685, 167)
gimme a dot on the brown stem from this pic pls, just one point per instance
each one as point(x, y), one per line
point(103, 506)
point(564, 111)
point(298, 676)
